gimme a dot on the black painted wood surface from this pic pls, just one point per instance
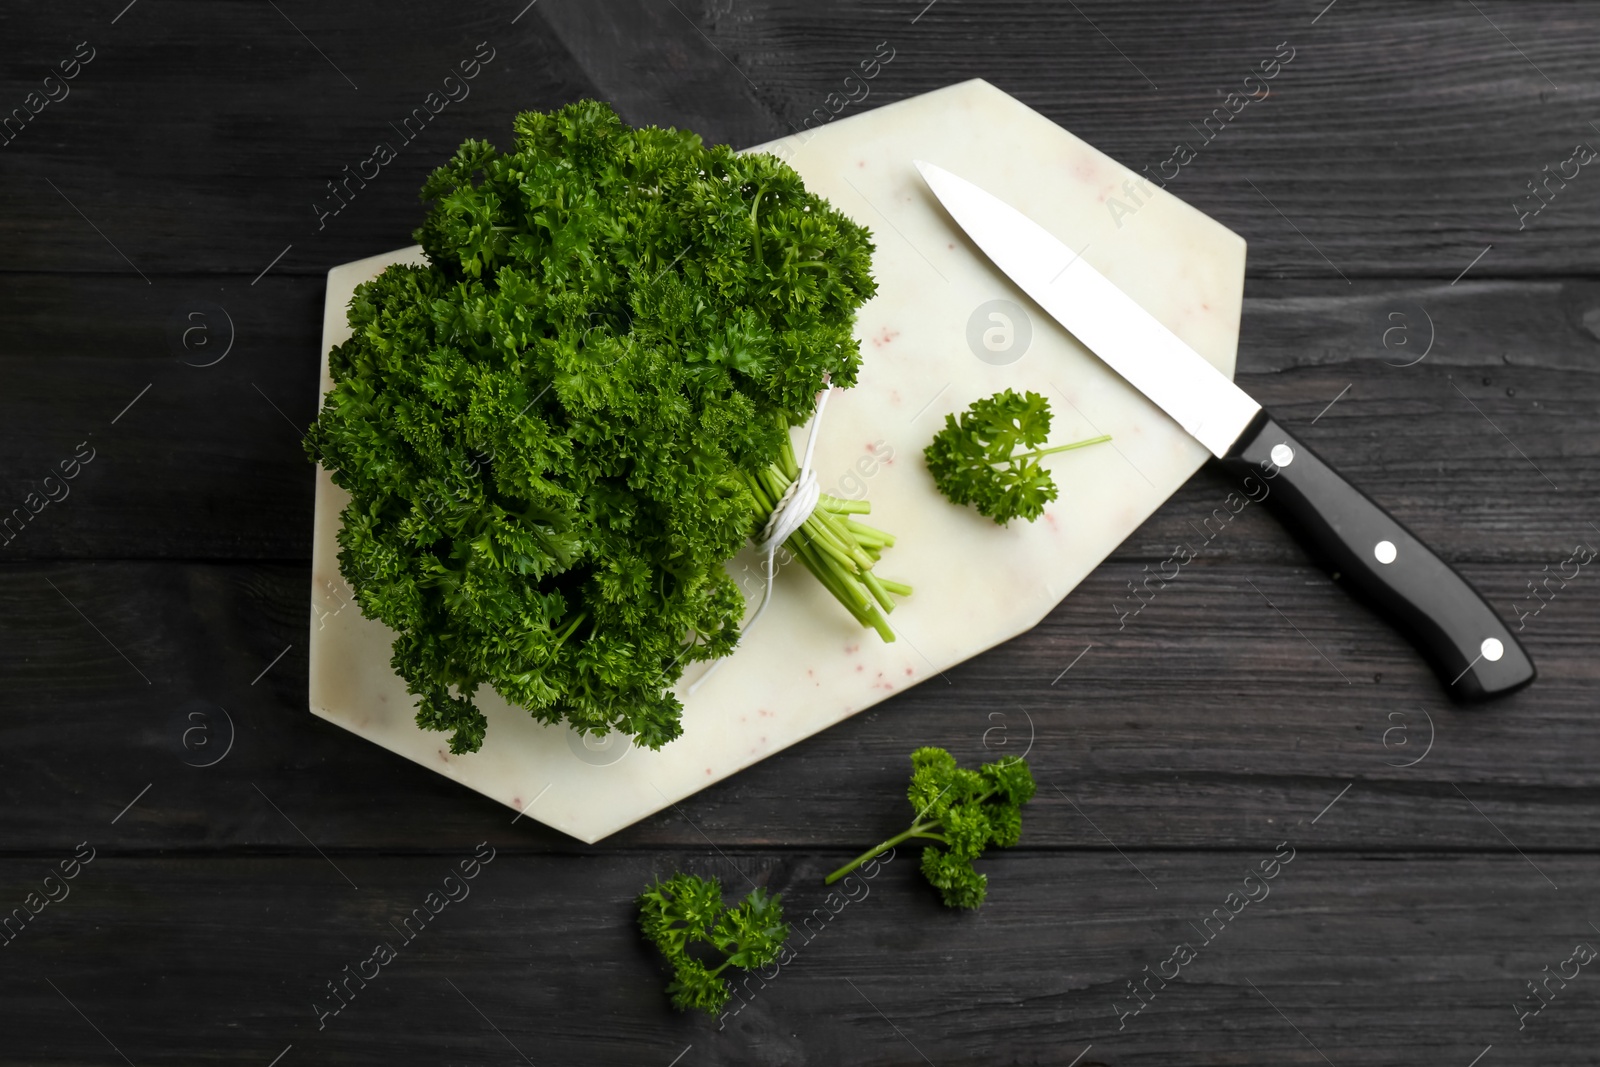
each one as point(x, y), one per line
point(1443, 857)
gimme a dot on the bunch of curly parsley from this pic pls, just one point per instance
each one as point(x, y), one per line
point(553, 436)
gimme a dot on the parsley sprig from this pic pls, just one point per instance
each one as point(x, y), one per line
point(966, 811)
point(975, 458)
point(686, 911)
point(556, 433)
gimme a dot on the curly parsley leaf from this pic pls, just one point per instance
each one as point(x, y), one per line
point(976, 460)
point(685, 911)
point(966, 811)
point(555, 434)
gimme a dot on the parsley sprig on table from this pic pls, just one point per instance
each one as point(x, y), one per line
point(686, 911)
point(556, 433)
point(975, 458)
point(966, 811)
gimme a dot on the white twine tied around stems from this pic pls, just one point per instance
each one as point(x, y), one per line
point(790, 513)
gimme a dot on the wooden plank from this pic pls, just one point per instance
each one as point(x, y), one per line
point(658, 66)
point(1363, 960)
point(1244, 696)
point(1397, 140)
point(207, 464)
point(1393, 139)
point(223, 125)
point(191, 397)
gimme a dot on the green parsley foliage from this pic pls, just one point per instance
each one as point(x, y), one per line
point(550, 433)
point(974, 459)
point(966, 811)
point(686, 910)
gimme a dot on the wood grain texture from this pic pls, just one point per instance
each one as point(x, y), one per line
point(224, 122)
point(1210, 719)
point(152, 624)
point(1485, 447)
point(1366, 961)
point(1396, 141)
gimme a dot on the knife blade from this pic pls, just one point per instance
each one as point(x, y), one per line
point(1363, 547)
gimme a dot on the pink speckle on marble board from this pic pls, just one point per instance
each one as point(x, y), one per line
point(885, 336)
point(851, 650)
point(908, 672)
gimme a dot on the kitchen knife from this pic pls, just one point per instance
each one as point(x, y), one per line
point(1361, 545)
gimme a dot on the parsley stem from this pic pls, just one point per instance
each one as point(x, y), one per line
point(1045, 451)
point(879, 593)
point(838, 551)
point(833, 551)
point(881, 625)
point(835, 531)
point(561, 638)
point(824, 540)
point(837, 582)
point(835, 577)
point(825, 530)
point(755, 227)
point(918, 829)
point(866, 540)
point(868, 534)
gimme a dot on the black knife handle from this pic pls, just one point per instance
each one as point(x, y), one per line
point(1382, 563)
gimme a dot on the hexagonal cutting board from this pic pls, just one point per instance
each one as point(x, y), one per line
point(944, 329)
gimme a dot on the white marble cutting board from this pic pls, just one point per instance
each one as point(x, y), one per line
point(809, 665)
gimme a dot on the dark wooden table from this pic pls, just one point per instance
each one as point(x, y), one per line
point(1406, 312)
